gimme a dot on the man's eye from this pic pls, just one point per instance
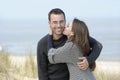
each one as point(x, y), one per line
point(54, 22)
point(61, 21)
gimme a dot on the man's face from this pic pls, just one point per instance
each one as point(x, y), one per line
point(57, 23)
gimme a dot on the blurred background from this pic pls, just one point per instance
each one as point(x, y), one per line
point(24, 22)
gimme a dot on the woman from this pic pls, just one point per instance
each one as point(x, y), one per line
point(76, 46)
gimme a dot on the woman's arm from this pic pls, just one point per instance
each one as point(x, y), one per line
point(64, 54)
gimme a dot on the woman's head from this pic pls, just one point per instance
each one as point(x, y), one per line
point(68, 30)
point(77, 32)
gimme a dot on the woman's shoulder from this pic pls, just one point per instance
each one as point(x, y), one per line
point(69, 43)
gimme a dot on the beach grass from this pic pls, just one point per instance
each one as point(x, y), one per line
point(17, 67)
point(25, 68)
point(107, 70)
point(4, 65)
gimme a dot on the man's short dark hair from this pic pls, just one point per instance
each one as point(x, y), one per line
point(56, 11)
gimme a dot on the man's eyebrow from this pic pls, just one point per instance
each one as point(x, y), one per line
point(54, 21)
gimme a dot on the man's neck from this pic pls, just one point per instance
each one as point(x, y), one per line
point(56, 37)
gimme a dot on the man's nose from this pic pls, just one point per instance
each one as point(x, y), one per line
point(58, 24)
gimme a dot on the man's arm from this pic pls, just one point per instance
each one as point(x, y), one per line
point(93, 55)
point(95, 51)
point(42, 62)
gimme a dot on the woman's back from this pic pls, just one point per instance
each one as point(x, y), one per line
point(77, 74)
point(69, 54)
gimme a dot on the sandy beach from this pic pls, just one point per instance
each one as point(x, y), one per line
point(102, 65)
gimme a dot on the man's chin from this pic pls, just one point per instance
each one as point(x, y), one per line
point(59, 33)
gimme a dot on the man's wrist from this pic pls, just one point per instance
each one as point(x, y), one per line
point(89, 62)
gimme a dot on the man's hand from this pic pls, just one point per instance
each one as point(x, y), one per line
point(83, 63)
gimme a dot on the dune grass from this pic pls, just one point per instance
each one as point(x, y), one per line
point(9, 70)
point(25, 68)
point(29, 67)
point(108, 71)
point(4, 65)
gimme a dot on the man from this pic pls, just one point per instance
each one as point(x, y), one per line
point(47, 71)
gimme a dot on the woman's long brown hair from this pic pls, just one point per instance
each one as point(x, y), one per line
point(81, 35)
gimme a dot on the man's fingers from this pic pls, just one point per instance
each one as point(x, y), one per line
point(82, 63)
point(81, 58)
point(82, 67)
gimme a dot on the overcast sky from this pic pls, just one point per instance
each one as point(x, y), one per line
point(38, 9)
point(18, 31)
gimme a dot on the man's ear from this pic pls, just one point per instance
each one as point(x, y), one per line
point(50, 30)
point(49, 22)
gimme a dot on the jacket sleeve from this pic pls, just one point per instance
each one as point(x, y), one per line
point(96, 48)
point(63, 54)
point(42, 62)
point(50, 42)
